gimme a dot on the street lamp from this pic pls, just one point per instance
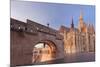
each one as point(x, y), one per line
point(48, 24)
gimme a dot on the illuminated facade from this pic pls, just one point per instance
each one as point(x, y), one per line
point(80, 39)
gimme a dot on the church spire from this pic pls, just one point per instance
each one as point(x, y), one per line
point(72, 24)
point(81, 16)
point(81, 22)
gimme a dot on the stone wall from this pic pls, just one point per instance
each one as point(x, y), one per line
point(24, 36)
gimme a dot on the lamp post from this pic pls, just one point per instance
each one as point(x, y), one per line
point(48, 24)
point(48, 27)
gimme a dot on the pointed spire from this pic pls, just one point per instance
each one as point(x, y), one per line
point(81, 15)
point(72, 24)
point(81, 22)
point(92, 26)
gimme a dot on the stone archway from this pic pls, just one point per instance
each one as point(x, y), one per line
point(44, 51)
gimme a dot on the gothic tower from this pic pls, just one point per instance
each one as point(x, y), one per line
point(81, 22)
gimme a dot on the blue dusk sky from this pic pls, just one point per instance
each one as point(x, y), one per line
point(53, 13)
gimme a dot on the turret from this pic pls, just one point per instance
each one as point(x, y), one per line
point(91, 28)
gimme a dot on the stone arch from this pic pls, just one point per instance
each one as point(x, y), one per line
point(49, 46)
